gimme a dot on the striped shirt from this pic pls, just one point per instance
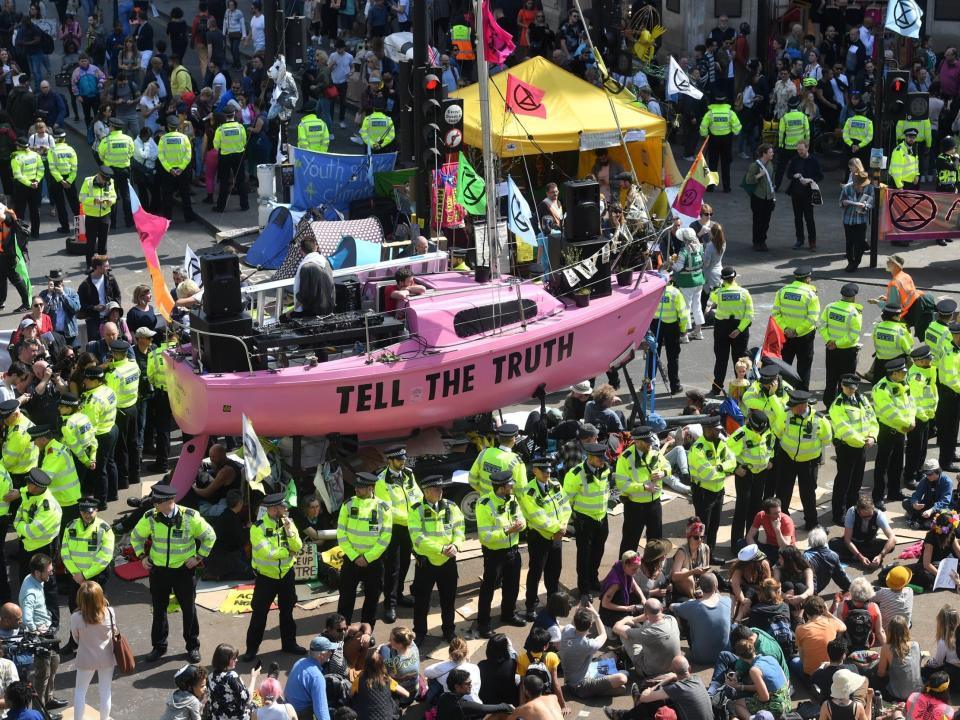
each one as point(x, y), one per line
point(852, 214)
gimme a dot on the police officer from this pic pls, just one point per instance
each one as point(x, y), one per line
point(499, 523)
point(924, 130)
point(922, 381)
point(855, 429)
point(796, 308)
point(364, 527)
point(897, 415)
point(28, 171)
point(904, 163)
point(801, 436)
point(230, 141)
point(721, 123)
point(858, 129)
point(174, 169)
point(436, 528)
point(768, 393)
point(180, 540)
point(711, 461)
point(377, 131)
point(587, 487)
point(547, 511)
point(8, 495)
point(502, 457)
point(100, 405)
point(752, 445)
point(397, 487)
point(794, 127)
point(123, 377)
point(840, 325)
point(159, 408)
point(37, 524)
point(116, 151)
point(57, 462)
point(639, 478)
point(98, 196)
point(891, 338)
point(948, 171)
point(671, 321)
point(77, 434)
point(459, 259)
point(731, 326)
point(948, 420)
point(20, 455)
point(275, 543)
point(937, 336)
point(63, 187)
point(313, 134)
point(86, 548)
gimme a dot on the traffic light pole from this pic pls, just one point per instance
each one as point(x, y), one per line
point(879, 141)
point(421, 190)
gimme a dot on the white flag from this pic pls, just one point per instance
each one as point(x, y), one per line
point(678, 82)
point(254, 457)
point(191, 263)
point(518, 215)
point(904, 18)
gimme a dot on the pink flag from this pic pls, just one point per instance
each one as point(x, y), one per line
point(497, 42)
point(690, 197)
point(524, 98)
point(151, 229)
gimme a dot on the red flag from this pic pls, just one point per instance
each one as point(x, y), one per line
point(690, 197)
point(524, 98)
point(497, 42)
point(773, 340)
point(151, 229)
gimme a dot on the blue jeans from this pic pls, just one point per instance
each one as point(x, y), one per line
point(142, 406)
point(38, 63)
point(324, 110)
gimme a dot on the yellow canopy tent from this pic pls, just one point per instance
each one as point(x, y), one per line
point(578, 118)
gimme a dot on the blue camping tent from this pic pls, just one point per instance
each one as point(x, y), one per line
point(269, 250)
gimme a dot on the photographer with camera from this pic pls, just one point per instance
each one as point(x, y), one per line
point(38, 618)
point(62, 305)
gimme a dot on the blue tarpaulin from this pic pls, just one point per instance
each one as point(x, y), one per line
point(333, 179)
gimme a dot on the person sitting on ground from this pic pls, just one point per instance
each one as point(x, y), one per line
point(652, 639)
point(796, 579)
point(933, 701)
point(651, 579)
point(458, 703)
point(899, 666)
point(860, 542)
point(750, 569)
point(932, 494)
point(17, 698)
point(575, 403)
point(401, 657)
point(939, 543)
point(212, 487)
point(778, 529)
point(306, 686)
point(406, 287)
point(691, 561)
point(228, 559)
point(822, 678)
point(313, 289)
point(498, 671)
point(843, 700)
point(186, 702)
point(825, 562)
point(620, 594)
point(769, 612)
point(763, 644)
point(683, 691)
point(815, 634)
point(897, 597)
point(599, 411)
point(373, 690)
point(861, 634)
point(558, 606)
point(273, 707)
point(457, 653)
point(537, 705)
point(945, 657)
point(536, 653)
point(577, 649)
point(306, 516)
point(708, 621)
point(767, 684)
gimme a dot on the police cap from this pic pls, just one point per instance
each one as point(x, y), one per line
point(272, 500)
point(88, 504)
point(947, 306)
point(501, 477)
point(173, 122)
point(714, 421)
point(587, 430)
point(769, 373)
point(728, 273)
point(757, 419)
point(798, 397)
point(850, 290)
point(794, 101)
point(542, 461)
point(895, 365)
point(160, 493)
point(397, 452)
point(642, 432)
point(911, 131)
point(892, 306)
point(59, 132)
point(802, 271)
point(94, 372)
point(119, 345)
point(105, 170)
point(433, 481)
point(228, 113)
point(116, 123)
point(458, 252)
point(38, 431)
point(22, 142)
point(39, 478)
point(9, 407)
point(948, 143)
point(954, 328)
point(921, 352)
point(595, 449)
point(69, 400)
point(508, 431)
point(364, 479)
point(851, 380)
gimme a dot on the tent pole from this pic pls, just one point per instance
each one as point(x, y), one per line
point(489, 171)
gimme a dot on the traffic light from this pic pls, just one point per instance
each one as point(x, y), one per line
point(895, 95)
point(918, 106)
point(451, 126)
point(431, 95)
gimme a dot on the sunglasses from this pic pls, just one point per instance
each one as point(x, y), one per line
point(38, 304)
point(703, 214)
point(696, 537)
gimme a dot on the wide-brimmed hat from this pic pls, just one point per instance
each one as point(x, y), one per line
point(899, 577)
point(656, 549)
point(584, 387)
point(845, 683)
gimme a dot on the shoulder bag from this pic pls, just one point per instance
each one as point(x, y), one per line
point(126, 663)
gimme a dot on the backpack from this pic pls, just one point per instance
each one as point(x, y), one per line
point(87, 85)
point(202, 24)
point(859, 627)
point(46, 43)
point(782, 632)
point(538, 668)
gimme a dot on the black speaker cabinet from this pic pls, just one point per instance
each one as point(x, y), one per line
point(348, 293)
point(220, 354)
point(295, 41)
point(220, 272)
point(581, 203)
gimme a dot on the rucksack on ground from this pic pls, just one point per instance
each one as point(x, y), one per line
point(859, 627)
point(782, 632)
point(538, 667)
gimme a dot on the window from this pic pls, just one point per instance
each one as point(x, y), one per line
point(478, 320)
point(948, 10)
point(730, 8)
point(673, 6)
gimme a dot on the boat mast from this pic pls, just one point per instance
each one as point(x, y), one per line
point(489, 171)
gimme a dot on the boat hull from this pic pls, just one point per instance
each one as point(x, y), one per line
point(353, 396)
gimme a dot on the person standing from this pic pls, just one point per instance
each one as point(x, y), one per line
point(891, 338)
point(801, 436)
point(948, 171)
point(37, 524)
point(123, 377)
point(858, 129)
point(499, 523)
point(922, 381)
point(78, 435)
point(752, 445)
point(897, 415)
point(377, 131)
point(688, 275)
point(57, 461)
point(796, 308)
point(313, 134)
point(92, 629)
point(28, 170)
point(905, 163)
point(160, 403)
point(948, 420)
point(98, 196)
point(856, 199)
point(397, 487)
point(436, 527)
point(274, 542)
point(86, 547)
point(547, 512)
point(759, 179)
point(855, 429)
point(794, 127)
point(639, 476)
point(180, 540)
point(731, 327)
point(587, 488)
point(116, 152)
point(20, 455)
point(669, 325)
point(803, 172)
point(720, 123)
point(174, 174)
point(840, 325)
point(502, 457)
point(8, 260)
point(63, 172)
point(230, 142)
point(364, 529)
point(711, 461)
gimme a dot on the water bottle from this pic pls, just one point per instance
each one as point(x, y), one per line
point(877, 704)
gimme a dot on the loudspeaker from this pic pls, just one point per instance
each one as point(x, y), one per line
point(220, 272)
point(581, 202)
point(348, 293)
point(220, 354)
point(294, 41)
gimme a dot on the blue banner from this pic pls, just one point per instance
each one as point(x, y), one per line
point(333, 179)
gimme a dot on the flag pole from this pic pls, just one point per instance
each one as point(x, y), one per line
point(489, 171)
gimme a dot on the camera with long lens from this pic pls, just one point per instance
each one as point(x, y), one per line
point(23, 649)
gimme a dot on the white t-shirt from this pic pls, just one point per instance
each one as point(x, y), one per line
point(258, 33)
point(340, 67)
point(100, 284)
point(219, 84)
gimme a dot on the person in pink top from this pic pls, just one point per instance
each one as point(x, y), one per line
point(92, 629)
point(950, 74)
point(778, 529)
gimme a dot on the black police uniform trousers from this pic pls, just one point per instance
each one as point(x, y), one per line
point(638, 517)
point(265, 589)
point(544, 559)
point(889, 464)
point(948, 423)
point(121, 179)
point(724, 347)
point(719, 155)
point(708, 504)
point(800, 348)
point(170, 185)
point(396, 563)
point(750, 489)
point(351, 575)
point(25, 197)
point(127, 450)
point(803, 473)
point(182, 582)
point(8, 273)
point(668, 337)
point(846, 487)
point(915, 452)
point(5, 522)
point(65, 199)
point(591, 536)
point(231, 174)
point(160, 411)
point(104, 477)
point(500, 567)
point(426, 575)
point(839, 362)
point(73, 586)
point(98, 230)
point(51, 595)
